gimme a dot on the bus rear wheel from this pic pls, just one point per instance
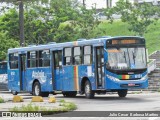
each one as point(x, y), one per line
point(89, 93)
point(37, 90)
point(122, 93)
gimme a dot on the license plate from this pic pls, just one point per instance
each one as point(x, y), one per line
point(131, 84)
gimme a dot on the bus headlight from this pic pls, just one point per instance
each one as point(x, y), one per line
point(113, 78)
point(144, 78)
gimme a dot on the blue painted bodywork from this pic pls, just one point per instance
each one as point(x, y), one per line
point(3, 67)
point(64, 77)
point(68, 79)
point(13, 80)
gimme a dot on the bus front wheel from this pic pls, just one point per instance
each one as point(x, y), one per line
point(89, 93)
point(122, 93)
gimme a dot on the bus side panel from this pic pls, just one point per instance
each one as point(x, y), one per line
point(13, 80)
point(58, 79)
point(68, 79)
point(46, 79)
point(87, 71)
point(3, 68)
point(43, 75)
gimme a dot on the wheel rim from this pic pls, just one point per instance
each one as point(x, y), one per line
point(87, 89)
point(37, 90)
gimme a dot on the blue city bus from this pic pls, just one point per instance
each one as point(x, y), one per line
point(107, 64)
point(3, 67)
point(3, 76)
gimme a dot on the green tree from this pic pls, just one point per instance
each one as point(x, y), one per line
point(6, 43)
point(9, 22)
point(85, 23)
point(139, 17)
point(46, 21)
point(42, 21)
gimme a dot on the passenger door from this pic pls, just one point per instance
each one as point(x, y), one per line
point(22, 69)
point(99, 66)
point(57, 69)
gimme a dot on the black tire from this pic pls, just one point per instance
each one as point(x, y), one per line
point(69, 94)
point(38, 92)
point(35, 91)
point(14, 92)
point(122, 93)
point(89, 93)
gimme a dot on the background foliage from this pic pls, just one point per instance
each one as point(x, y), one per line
point(67, 20)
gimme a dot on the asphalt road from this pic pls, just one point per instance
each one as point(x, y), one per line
point(111, 102)
point(145, 101)
point(134, 101)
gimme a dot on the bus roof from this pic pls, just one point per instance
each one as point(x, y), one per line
point(79, 42)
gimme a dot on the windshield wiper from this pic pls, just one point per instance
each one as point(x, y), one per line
point(133, 57)
point(129, 58)
point(125, 56)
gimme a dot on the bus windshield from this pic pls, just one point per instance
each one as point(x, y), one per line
point(126, 58)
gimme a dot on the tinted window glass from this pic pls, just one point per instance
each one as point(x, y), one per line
point(67, 56)
point(32, 59)
point(77, 56)
point(44, 58)
point(13, 60)
point(87, 59)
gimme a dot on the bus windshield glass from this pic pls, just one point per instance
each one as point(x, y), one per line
point(126, 58)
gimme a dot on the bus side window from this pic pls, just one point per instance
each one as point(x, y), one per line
point(77, 56)
point(87, 59)
point(32, 59)
point(44, 58)
point(67, 56)
point(13, 60)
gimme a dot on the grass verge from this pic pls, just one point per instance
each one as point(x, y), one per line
point(63, 107)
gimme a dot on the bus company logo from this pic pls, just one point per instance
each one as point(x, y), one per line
point(6, 114)
point(38, 75)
